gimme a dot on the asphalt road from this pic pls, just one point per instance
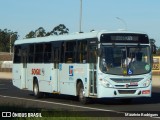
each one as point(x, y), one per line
point(10, 95)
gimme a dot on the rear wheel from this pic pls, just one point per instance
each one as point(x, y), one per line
point(36, 92)
point(81, 94)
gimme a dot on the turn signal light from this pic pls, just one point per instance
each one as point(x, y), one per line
point(146, 92)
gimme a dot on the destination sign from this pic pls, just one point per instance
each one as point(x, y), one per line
point(124, 38)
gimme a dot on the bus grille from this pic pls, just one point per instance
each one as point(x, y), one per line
point(124, 86)
point(126, 91)
point(126, 80)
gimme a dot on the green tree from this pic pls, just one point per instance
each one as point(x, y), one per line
point(48, 34)
point(60, 30)
point(31, 34)
point(7, 38)
point(40, 32)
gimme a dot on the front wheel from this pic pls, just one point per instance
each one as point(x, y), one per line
point(36, 92)
point(81, 94)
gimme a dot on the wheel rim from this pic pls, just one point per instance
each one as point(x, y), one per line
point(35, 89)
point(82, 94)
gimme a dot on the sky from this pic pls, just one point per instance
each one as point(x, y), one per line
point(22, 16)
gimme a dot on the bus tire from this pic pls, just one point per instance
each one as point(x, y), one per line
point(81, 93)
point(36, 92)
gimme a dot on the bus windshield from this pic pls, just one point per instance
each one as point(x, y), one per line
point(125, 60)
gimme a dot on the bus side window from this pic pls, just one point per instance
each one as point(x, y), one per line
point(31, 53)
point(47, 52)
point(82, 51)
point(39, 53)
point(92, 54)
point(57, 53)
point(92, 48)
point(70, 51)
point(17, 54)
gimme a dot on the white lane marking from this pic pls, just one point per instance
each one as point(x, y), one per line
point(69, 105)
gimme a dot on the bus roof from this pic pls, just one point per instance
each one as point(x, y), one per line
point(73, 36)
point(58, 38)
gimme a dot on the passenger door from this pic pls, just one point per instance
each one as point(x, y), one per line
point(56, 61)
point(24, 69)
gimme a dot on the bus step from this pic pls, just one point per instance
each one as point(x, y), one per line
point(55, 92)
point(93, 96)
point(24, 88)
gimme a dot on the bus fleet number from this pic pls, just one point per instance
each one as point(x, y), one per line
point(156, 67)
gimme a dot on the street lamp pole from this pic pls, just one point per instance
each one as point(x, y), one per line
point(10, 39)
point(80, 21)
point(125, 24)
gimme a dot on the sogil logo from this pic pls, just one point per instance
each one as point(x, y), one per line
point(36, 71)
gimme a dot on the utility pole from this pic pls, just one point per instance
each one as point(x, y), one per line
point(10, 40)
point(80, 19)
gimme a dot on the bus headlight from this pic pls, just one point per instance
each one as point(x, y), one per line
point(147, 83)
point(105, 83)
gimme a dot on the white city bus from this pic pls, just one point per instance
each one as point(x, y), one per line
point(87, 65)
